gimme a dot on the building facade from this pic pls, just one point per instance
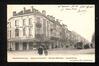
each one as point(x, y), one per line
point(31, 28)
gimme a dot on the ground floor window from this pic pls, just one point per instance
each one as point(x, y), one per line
point(31, 46)
point(24, 45)
point(16, 45)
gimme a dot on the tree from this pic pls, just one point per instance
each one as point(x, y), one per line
point(93, 38)
point(79, 45)
point(86, 46)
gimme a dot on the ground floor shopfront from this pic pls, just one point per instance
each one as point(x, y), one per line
point(17, 45)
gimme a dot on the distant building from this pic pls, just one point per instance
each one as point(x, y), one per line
point(73, 38)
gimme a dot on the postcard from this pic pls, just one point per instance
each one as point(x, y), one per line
point(50, 33)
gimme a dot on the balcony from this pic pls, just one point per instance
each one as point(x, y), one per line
point(39, 37)
point(54, 38)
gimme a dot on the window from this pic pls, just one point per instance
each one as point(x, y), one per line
point(24, 45)
point(16, 32)
point(24, 31)
point(16, 23)
point(44, 26)
point(24, 22)
point(38, 24)
point(30, 31)
point(16, 45)
point(48, 27)
point(10, 33)
point(38, 31)
point(31, 45)
point(10, 24)
point(38, 19)
point(30, 21)
point(51, 31)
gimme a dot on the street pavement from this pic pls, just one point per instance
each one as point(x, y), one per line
point(62, 55)
point(53, 52)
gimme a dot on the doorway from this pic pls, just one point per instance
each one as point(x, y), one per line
point(24, 45)
point(16, 46)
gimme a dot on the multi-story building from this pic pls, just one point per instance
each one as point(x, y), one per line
point(30, 28)
point(74, 38)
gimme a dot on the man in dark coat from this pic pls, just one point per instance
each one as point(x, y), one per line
point(40, 50)
point(45, 50)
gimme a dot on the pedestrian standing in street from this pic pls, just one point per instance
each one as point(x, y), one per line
point(45, 50)
point(91, 45)
point(40, 50)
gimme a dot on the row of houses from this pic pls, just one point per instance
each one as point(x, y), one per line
point(31, 28)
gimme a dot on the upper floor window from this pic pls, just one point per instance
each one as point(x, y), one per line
point(44, 26)
point(30, 21)
point(38, 19)
point(16, 23)
point(16, 32)
point(48, 24)
point(38, 24)
point(24, 31)
point(38, 31)
point(24, 22)
point(51, 30)
point(30, 31)
point(10, 33)
point(10, 24)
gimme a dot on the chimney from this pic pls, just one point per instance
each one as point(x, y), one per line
point(48, 16)
point(14, 13)
point(57, 20)
point(53, 18)
point(43, 12)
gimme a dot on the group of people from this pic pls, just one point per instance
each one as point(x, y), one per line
point(42, 50)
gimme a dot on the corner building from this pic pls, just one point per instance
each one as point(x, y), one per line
point(30, 28)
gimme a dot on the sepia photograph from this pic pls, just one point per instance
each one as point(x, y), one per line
point(50, 33)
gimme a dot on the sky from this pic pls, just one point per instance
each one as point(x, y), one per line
point(78, 18)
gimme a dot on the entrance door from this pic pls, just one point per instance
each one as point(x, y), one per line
point(24, 46)
point(16, 46)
